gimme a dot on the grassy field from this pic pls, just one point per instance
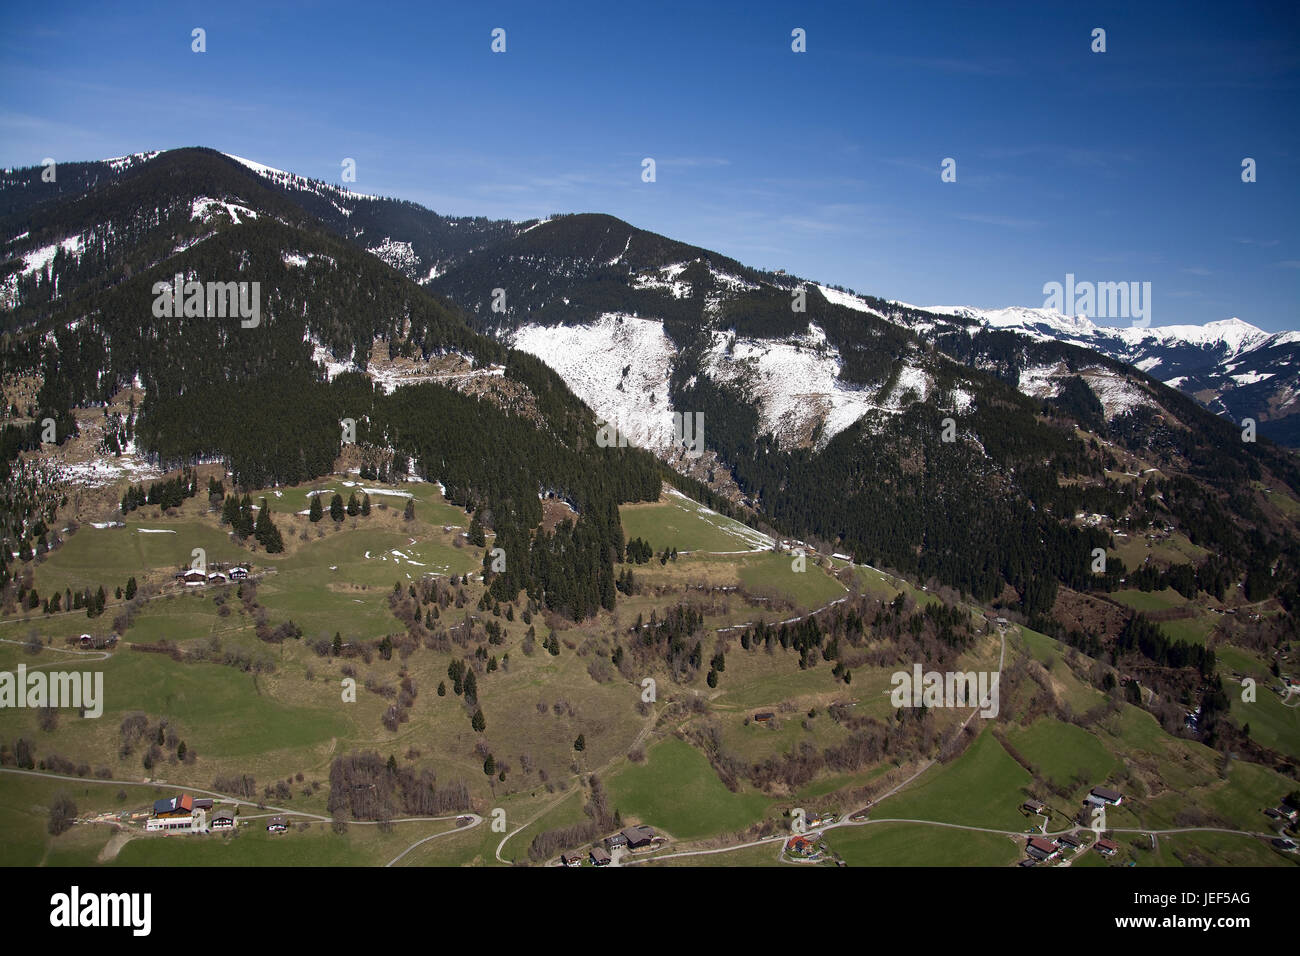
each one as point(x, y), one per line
point(910, 844)
point(1064, 754)
point(1150, 600)
point(677, 522)
point(678, 791)
point(983, 787)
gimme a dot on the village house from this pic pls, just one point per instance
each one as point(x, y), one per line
point(1034, 806)
point(599, 857)
point(616, 840)
point(168, 807)
point(1106, 847)
point(238, 574)
point(1069, 841)
point(223, 820)
point(216, 577)
point(1106, 795)
point(638, 837)
point(1041, 848)
point(571, 859)
point(277, 825)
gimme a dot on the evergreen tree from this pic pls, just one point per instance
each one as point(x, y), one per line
point(314, 513)
point(336, 507)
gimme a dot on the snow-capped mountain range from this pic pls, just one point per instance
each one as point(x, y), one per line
point(1231, 366)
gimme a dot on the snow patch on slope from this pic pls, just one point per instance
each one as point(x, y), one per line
point(591, 360)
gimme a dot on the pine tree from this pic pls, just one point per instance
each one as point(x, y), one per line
point(314, 513)
point(336, 507)
point(365, 506)
point(353, 505)
point(478, 723)
point(581, 743)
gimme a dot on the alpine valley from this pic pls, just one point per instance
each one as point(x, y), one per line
point(398, 476)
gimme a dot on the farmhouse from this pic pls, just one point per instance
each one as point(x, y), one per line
point(571, 859)
point(238, 574)
point(764, 717)
point(223, 820)
point(174, 807)
point(203, 803)
point(1069, 840)
point(1106, 847)
point(616, 840)
point(194, 577)
point(1113, 797)
point(1041, 849)
point(1285, 812)
point(216, 577)
point(1033, 806)
point(599, 857)
point(277, 825)
point(638, 837)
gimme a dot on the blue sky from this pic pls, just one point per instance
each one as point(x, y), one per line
point(1115, 166)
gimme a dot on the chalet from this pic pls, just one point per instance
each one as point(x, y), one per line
point(571, 859)
point(764, 717)
point(194, 577)
point(86, 640)
point(277, 825)
point(1034, 806)
point(1069, 841)
point(1287, 813)
point(1041, 849)
point(238, 574)
point(216, 577)
point(615, 841)
point(1106, 847)
point(174, 807)
point(801, 846)
point(1113, 797)
point(638, 837)
point(815, 819)
point(223, 820)
point(599, 857)
point(203, 803)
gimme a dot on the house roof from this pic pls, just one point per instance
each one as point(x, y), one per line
point(1038, 843)
point(1106, 794)
point(1107, 845)
point(598, 853)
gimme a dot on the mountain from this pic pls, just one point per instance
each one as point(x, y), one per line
point(992, 453)
point(1230, 366)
